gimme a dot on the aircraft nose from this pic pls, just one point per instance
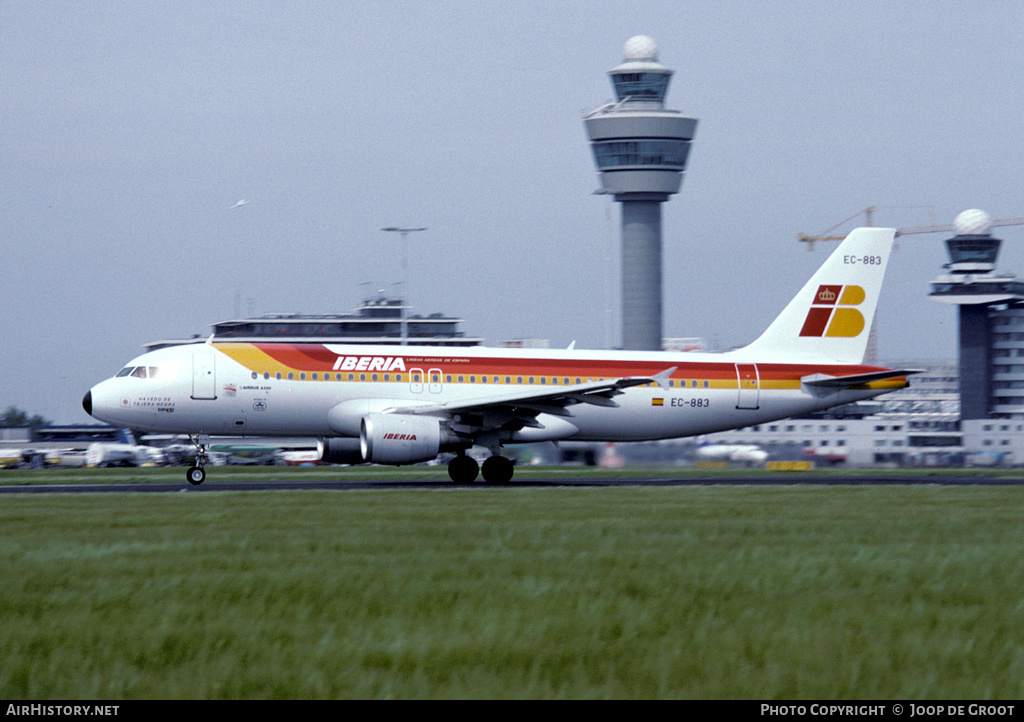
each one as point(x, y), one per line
point(87, 402)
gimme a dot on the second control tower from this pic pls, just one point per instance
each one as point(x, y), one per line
point(640, 149)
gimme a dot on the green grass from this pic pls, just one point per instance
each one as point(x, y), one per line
point(904, 592)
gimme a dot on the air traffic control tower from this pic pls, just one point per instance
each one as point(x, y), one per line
point(640, 149)
point(991, 315)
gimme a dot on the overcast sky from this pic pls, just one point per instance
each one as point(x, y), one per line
point(128, 130)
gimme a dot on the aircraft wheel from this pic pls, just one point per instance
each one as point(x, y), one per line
point(463, 469)
point(196, 475)
point(497, 470)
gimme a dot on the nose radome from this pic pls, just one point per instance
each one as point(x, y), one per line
point(87, 402)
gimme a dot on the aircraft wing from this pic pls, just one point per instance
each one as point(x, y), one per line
point(519, 408)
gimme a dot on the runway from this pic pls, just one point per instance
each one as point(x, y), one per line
point(816, 479)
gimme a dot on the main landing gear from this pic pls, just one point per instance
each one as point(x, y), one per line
point(197, 474)
point(463, 469)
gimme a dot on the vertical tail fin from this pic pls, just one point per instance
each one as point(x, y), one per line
point(830, 318)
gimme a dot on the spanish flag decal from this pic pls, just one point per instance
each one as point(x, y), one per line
point(831, 313)
point(657, 402)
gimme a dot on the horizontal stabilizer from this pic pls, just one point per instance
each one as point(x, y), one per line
point(824, 383)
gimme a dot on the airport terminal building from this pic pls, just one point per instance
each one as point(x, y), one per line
point(378, 320)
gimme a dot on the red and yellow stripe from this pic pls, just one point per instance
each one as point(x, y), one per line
point(302, 361)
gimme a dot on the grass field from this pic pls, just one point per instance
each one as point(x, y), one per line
point(892, 592)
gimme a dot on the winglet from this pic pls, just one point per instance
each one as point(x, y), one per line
point(662, 379)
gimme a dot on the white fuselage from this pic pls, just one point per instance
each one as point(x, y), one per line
point(324, 390)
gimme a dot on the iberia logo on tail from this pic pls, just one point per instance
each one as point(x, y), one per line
point(832, 314)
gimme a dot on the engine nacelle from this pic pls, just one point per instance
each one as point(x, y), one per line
point(340, 451)
point(399, 438)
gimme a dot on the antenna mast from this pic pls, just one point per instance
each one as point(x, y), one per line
point(404, 233)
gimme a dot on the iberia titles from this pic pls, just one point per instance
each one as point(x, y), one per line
point(369, 363)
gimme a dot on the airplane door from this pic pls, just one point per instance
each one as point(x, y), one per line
point(435, 381)
point(749, 386)
point(416, 380)
point(204, 377)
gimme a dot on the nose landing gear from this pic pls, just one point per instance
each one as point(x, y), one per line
point(197, 474)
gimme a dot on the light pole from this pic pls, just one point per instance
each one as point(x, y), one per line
point(404, 233)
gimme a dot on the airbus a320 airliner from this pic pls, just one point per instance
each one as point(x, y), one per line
point(408, 404)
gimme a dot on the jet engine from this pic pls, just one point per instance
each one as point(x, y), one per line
point(340, 451)
point(401, 438)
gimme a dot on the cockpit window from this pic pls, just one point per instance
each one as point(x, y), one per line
point(142, 372)
point(166, 371)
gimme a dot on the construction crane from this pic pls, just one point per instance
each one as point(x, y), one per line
point(869, 214)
